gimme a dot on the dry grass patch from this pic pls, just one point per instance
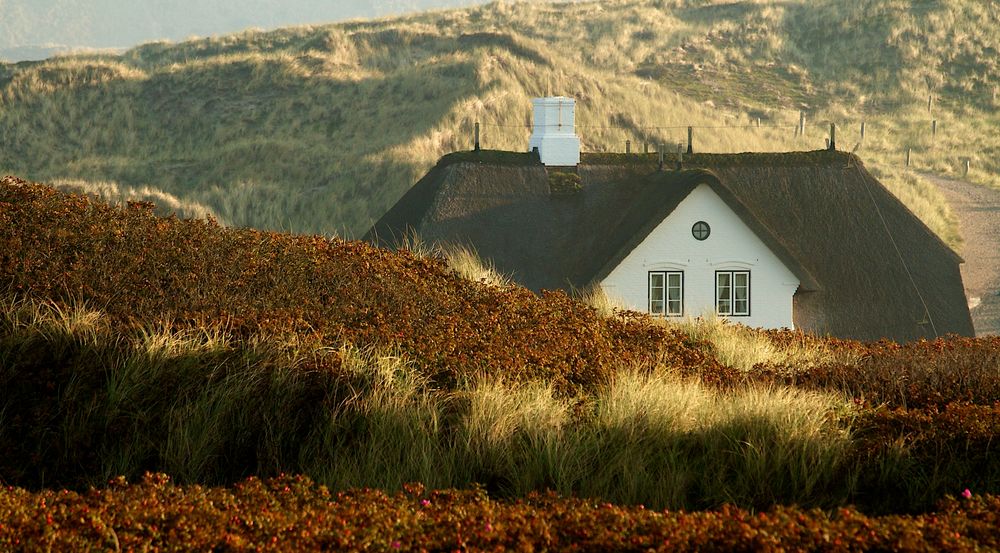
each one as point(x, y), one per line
point(464, 260)
point(732, 345)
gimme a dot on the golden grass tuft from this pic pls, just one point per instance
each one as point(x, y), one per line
point(464, 260)
point(732, 344)
point(741, 347)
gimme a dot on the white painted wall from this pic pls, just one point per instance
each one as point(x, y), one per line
point(554, 131)
point(731, 246)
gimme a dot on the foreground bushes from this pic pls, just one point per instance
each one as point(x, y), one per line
point(84, 404)
point(214, 354)
point(293, 514)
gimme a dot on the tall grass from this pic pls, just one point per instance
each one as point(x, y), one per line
point(113, 193)
point(204, 408)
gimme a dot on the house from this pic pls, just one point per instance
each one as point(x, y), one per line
point(805, 240)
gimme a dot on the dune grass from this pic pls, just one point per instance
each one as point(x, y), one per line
point(320, 129)
point(178, 402)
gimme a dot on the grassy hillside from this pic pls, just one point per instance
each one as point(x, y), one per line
point(321, 129)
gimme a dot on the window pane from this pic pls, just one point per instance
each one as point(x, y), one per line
point(674, 293)
point(723, 287)
point(740, 292)
point(723, 290)
point(656, 295)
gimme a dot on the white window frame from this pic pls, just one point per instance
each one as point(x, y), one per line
point(660, 295)
point(728, 294)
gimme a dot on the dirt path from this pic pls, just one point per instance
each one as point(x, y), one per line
point(978, 212)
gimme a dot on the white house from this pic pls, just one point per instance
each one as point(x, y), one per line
point(806, 240)
point(702, 259)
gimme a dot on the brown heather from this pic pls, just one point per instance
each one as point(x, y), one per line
point(136, 267)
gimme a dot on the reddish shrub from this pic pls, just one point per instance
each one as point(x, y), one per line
point(917, 374)
point(292, 514)
point(137, 267)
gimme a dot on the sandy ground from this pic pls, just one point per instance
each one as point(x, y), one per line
point(978, 212)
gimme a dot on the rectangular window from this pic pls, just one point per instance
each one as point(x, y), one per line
point(732, 293)
point(666, 293)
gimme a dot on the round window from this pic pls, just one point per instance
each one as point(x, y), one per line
point(701, 230)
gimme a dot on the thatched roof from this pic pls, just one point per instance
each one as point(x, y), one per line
point(820, 212)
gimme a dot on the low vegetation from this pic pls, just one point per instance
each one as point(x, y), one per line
point(295, 514)
point(111, 371)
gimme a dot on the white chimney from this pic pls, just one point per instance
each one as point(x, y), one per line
point(554, 131)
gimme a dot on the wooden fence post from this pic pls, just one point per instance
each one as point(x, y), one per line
point(862, 130)
point(660, 150)
point(930, 101)
point(477, 136)
point(645, 147)
point(802, 124)
point(907, 157)
point(833, 137)
point(628, 146)
point(690, 140)
point(934, 127)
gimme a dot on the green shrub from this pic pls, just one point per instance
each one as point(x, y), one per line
point(564, 184)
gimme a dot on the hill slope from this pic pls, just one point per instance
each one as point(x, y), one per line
point(322, 129)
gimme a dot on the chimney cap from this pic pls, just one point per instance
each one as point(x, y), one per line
point(554, 131)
